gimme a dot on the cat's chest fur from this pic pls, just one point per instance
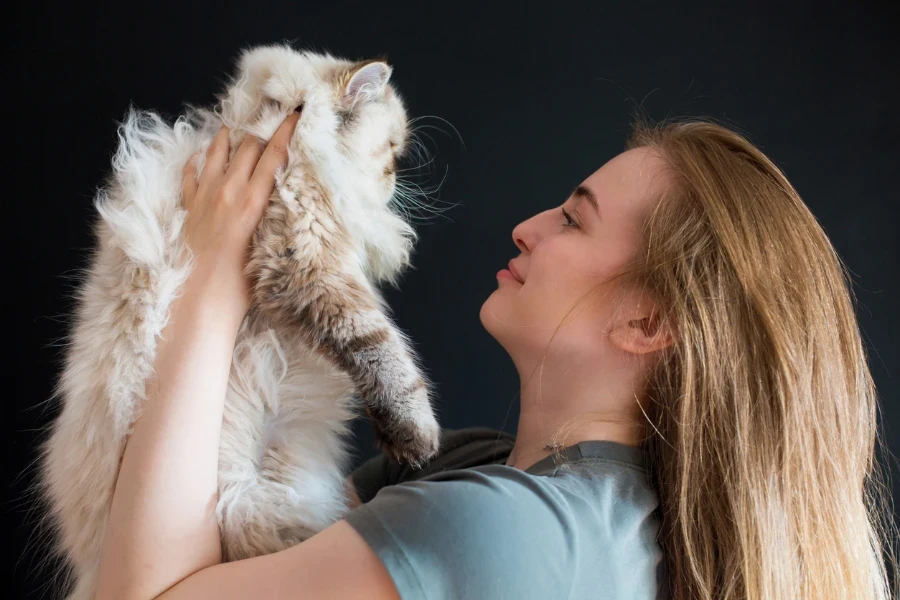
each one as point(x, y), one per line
point(286, 419)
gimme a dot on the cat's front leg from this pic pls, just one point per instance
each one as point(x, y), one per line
point(344, 320)
point(395, 393)
point(327, 297)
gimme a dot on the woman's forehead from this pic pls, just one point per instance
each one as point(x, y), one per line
point(627, 182)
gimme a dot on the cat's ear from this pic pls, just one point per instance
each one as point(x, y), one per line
point(366, 83)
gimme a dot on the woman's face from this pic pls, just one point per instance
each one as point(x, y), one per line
point(565, 253)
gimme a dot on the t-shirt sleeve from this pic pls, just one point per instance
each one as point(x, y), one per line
point(483, 532)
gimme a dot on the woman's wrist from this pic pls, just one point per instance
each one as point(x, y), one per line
point(215, 292)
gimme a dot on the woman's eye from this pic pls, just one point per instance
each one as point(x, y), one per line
point(569, 221)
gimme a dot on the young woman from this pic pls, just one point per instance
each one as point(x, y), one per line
point(697, 415)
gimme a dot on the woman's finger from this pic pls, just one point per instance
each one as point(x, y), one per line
point(216, 157)
point(245, 159)
point(274, 157)
point(189, 182)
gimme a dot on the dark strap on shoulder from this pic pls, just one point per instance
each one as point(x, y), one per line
point(459, 449)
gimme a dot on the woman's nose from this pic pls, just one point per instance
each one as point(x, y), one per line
point(519, 235)
point(529, 232)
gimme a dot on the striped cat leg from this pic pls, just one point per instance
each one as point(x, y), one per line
point(342, 316)
point(395, 394)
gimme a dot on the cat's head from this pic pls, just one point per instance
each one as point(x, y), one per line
point(352, 130)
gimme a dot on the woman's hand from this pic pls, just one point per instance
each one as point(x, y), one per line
point(225, 204)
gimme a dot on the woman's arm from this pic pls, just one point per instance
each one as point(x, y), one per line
point(335, 563)
point(162, 525)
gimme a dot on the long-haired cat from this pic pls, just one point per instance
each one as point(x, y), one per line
point(316, 336)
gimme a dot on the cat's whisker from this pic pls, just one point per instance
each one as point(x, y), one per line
point(417, 167)
point(421, 208)
point(419, 118)
point(418, 200)
point(425, 191)
point(428, 192)
point(412, 195)
point(419, 132)
point(397, 201)
point(420, 151)
point(411, 206)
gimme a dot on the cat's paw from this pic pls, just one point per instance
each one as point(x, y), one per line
point(412, 441)
point(410, 436)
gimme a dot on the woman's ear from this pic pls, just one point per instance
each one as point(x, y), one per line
point(641, 335)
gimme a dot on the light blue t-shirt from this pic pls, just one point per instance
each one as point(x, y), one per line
point(469, 529)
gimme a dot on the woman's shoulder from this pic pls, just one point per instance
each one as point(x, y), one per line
point(590, 485)
point(471, 532)
point(602, 477)
point(494, 522)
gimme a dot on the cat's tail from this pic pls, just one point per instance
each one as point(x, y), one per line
point(122, 306)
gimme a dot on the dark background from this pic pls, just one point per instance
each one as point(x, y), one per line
point(540, 98)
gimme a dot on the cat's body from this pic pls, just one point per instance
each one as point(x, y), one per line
point(317, 334)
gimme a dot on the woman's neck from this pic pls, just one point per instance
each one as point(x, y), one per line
point(535, 441)
point(564, 411)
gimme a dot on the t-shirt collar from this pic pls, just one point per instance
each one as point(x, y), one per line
point(591, 449)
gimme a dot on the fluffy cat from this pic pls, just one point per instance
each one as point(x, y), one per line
point(318, 332)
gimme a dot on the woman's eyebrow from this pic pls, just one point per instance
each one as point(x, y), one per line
point(584, 193)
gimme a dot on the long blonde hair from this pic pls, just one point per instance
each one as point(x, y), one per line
point(764, 413)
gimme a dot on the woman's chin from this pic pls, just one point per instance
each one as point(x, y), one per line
point(491, 314)
point(486, 314)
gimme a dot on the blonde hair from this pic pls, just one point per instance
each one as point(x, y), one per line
point(763, 412)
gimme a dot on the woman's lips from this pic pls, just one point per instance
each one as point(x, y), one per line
point(515, 272)
point(506, 274)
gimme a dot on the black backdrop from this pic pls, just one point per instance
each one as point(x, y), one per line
point(540, 98)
